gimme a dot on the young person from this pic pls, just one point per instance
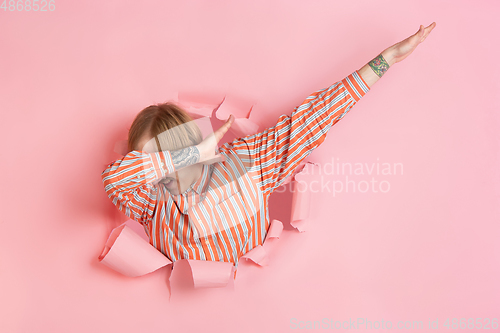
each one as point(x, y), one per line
point(199, 202)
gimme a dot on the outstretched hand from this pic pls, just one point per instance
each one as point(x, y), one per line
point(208, 146)
point(403, 49)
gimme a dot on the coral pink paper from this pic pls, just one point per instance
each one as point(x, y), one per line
point(209, 274)
point(121, 147)
point(259, 254)
point(199, 112)
point(199, 104)
point(242, 126)
point(301, 196)
point(202, 112)
point(127, 253)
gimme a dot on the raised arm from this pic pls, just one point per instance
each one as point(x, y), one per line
point(139, 168)
point(129, 182)
point(277, 151)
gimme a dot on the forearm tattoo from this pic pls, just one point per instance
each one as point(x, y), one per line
point(379, 65)
point(185, 157)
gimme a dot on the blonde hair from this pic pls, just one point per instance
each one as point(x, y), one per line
point(177, 128)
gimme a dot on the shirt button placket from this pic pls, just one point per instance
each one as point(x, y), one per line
point(206, 242)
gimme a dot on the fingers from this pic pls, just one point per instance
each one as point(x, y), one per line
point(230, 120)
point(228, 123)
point(224, 128)
point(425, 30)
point(428, 30)
point(417, 35)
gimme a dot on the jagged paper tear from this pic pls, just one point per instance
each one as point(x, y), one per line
point(301, 201)
point(130, 254)
point(242, 125)
point(209, 274)
point(201, 107)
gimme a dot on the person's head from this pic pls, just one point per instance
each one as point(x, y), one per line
point(176, 126)
point(166, 126)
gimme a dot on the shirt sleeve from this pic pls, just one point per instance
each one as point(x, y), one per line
point(129, 182)
point(277, 151)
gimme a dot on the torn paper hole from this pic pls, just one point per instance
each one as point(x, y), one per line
point(130, 254)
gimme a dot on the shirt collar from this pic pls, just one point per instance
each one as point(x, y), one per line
point(200, 184)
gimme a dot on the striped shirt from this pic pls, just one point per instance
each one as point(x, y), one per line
point(224, 214)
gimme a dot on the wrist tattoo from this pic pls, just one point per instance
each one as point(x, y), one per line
point(379, 65)
point(185, 157)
